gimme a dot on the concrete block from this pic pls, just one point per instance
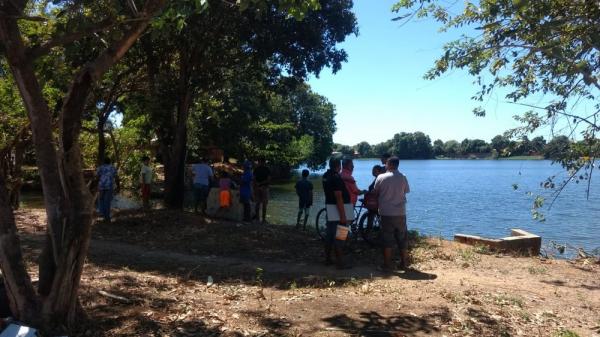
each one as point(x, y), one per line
point(520, 241)
point(235, 212)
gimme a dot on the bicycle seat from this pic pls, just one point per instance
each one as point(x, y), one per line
point(361, 200)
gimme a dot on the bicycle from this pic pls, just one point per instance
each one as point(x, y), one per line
point(359, 225)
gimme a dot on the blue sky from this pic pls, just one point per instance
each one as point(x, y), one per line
point(380, 91)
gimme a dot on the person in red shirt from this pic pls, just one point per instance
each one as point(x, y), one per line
point(347, 169)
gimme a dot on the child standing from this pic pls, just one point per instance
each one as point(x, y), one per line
point(225, 184)
point(304, 190)
point(146, 181)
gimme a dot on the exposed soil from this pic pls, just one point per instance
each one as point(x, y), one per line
point(165, 273)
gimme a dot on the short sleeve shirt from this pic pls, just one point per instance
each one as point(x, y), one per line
point(146, 174)
point(202, 174)
point(391, 189)
point(332, 182)
point(261, 175)
point(304, 189)
point(106, 175)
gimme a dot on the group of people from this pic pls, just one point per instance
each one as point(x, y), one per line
point(389, 190)
point(108, 184)
point(253, 185)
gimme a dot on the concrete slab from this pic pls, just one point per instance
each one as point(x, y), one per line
point(520, 241)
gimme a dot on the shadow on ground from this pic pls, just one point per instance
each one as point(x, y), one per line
point(373, 324)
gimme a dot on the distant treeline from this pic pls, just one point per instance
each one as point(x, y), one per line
point(418, 145)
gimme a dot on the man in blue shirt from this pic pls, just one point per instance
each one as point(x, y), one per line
point(202, 175)
point(106, 174)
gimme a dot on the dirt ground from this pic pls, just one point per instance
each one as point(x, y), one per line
point(164, 273)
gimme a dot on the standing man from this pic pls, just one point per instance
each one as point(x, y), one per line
point(391, 188)
point(336, 196)
point(262, 179)
point(304, 190)
point(107, 174)
point(202, 175)
point(146, 181)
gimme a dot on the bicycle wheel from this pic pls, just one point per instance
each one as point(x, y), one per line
point(370, 231)
point(321, 223)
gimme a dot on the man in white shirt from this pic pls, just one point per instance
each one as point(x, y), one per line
point(202, 175)
point(391, 188)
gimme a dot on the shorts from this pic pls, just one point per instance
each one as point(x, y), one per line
point(261, 194)
point(393, 231)
point(224, 199)
point(303, 204)
point(201, 192)
point(145, 191)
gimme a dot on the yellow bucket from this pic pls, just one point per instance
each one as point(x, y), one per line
point(341, 233)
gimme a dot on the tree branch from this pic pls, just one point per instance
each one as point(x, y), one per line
point(44, 48)
point(75, 100)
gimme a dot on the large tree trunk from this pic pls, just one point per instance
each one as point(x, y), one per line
point(174, 157)
point(67, 199)
point(22, 300)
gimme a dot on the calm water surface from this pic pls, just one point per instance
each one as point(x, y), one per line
point(475, 197)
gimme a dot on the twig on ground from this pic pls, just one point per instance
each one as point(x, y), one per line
point(115, 297)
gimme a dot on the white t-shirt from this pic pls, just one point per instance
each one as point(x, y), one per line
point(146, 175)
point(202, 173)
point(391, 189)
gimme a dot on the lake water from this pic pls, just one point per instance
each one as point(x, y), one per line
point(475, 197)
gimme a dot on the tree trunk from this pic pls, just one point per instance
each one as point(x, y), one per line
point(43, 139)
point(21, 294)
point(175, 154)
point(174, 157)
point(101, 141)
point(67, 199)
point(115, 146)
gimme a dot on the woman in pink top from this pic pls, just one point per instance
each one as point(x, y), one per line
point(353, 190)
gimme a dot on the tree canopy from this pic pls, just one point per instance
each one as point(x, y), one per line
point(68, 66)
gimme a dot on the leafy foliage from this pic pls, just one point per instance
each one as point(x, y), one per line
point(533, 49)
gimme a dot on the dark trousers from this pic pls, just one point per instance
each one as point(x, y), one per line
point(104, 199)
point(247, 210)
